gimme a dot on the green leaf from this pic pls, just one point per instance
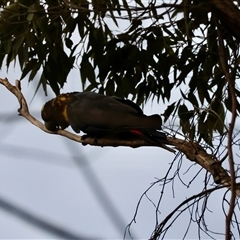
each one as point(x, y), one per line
point(192, 132)
point(182, 112)
point(42, 82)
point(9, 10)
point(216, 116)
point(30, 16)
point(185, 56)
point(185, 70)
point(87, 71)
point(68, 43)
point(110, 88)
point(91, 87)
point(168, 111)
point(203, 93)
point(29, 66)
point(22, 56)
point(7, 45)
point(139, 2)
point(141, 93)
point(34, 71)
point(192, 99)
point(17, 43)
point(125, 5)
point(185, 115)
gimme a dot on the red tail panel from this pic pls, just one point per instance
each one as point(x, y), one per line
point(136, 132)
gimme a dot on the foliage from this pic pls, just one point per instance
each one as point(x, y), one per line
point(166, 46)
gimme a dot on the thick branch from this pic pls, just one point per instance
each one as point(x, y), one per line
point(231, 87)
point(193, 151)
point(228, 14)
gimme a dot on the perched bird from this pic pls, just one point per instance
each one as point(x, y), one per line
point(100, 115)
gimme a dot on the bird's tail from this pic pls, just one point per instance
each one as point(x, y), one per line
point(154, 137)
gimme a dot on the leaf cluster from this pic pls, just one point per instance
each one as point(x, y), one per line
point(165, 48)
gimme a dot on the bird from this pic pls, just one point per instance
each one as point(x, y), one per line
point(99, 115)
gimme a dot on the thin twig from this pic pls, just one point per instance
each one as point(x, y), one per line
point(161, 226)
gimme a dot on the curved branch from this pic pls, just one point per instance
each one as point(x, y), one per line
point(192, 150)
point(229, 15)
point(231, 88)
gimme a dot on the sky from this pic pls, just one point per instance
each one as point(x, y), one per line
point(89, 192)
point(83, 191)
point(78, 187)
point(52, 187)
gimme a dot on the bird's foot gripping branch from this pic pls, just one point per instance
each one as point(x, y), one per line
point(192, 151)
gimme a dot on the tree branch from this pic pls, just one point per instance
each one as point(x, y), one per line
point(231, 89)
point(36, 221)
point(192, 150)
point(228, 14)
point(162, 226)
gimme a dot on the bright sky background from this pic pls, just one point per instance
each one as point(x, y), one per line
point(88, 191)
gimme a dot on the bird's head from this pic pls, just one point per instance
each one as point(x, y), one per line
point(54, 112)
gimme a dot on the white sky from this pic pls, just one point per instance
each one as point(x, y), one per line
point(89, 191)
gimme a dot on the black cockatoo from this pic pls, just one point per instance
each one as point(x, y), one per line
point(100, 115)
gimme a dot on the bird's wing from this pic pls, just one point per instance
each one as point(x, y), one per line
point(92, 112)
point(129, 103)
